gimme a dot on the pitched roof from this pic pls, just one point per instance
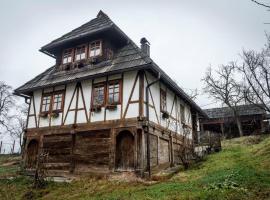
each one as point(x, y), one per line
point(100, 23)
point(129, 57)
point(226, 112)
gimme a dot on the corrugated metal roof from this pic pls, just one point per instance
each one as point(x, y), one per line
point(226, 112)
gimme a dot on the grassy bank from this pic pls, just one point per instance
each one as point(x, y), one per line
point(240, 171)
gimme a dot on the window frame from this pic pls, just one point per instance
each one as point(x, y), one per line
point(41, 106)
point(62, 101)
point(89, 49)
point(51, 104)
point(72, 56)
point(163, 92)
point(85, 51)
point(95, 85)
point(110, 82)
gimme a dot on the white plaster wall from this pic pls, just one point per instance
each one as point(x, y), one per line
point(128, 82)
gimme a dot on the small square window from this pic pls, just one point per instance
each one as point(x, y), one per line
point(80, 53)
point(67, 56)
point(95, 49)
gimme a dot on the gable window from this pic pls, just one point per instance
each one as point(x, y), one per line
point(163, 100)
point(95, 49)
point(57, 102)
point(80, 53)
point(114, 92)
point(46, 103)
point(67, 56)
point(182, 112)
point(99, 95)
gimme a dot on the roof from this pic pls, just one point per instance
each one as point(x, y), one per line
point(100, 23)
point(226, 112)
point(127, 58)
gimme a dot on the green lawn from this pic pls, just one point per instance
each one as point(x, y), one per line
point(240, 171)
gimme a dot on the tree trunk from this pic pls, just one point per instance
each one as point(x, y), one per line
point(239, 125)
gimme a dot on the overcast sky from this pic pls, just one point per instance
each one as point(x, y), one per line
point(186, 36)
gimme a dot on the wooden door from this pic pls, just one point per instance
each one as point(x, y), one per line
point(32, 153)
point(125, 151)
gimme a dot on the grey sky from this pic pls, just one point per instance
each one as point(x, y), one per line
point(186, 36)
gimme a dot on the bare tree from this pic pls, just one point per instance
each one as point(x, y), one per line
point(261, 4)
point(256, 76)
point(6, 103)
point(17, 124)
point(223, 87)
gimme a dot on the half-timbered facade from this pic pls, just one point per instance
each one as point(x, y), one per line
point(105, 105)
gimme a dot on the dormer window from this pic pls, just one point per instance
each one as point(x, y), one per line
point(67, 56)
point(80, 53)
point(95, 49)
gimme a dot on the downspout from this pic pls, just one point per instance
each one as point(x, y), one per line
point(147, 121)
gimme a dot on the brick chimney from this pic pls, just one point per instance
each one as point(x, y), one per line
point(145, 46)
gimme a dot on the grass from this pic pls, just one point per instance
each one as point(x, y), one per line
point(240, 171)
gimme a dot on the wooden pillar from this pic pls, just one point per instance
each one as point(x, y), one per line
point(222, 129)
point(112, 150)
point(171, 150)
point(143, 150)
point(262, 125)
point(72, 160)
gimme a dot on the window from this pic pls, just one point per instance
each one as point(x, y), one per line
point(114, 92)
point(95, 49)
point(57, 101)
point(80, 53)
point(163, 100)
point(182, 111)
point(99, 95)
point(46, 103)
point(67, 56)
point(52, 101)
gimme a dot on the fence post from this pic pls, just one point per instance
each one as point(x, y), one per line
point(1, 147)
point(12, 151)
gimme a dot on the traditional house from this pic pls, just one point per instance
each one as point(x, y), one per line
point(105, 105)
point(221, 120)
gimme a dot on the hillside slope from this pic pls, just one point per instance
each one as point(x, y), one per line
point(240, 171)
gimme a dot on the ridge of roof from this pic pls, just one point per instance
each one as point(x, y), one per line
point(101, 22)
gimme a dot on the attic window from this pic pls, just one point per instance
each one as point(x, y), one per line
point(80, 53)
point(67, 56)
point(95, 49)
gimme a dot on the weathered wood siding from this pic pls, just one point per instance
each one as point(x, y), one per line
point(92, 150)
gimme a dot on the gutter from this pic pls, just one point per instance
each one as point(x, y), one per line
point(147, 121)
point(24, 96)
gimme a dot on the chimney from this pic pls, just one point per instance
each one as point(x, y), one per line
point(145, 46)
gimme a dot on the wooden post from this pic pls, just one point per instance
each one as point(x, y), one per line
point(1, 147)
point(13, 146)
point(222, 129)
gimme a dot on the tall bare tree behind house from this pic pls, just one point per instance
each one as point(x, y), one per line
point(222, 87)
